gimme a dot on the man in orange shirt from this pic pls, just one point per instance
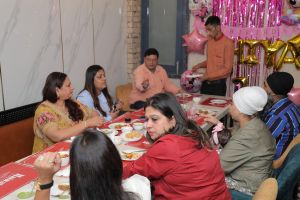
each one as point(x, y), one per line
point(219, 63)
point(149, 79)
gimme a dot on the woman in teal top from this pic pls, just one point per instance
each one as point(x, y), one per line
point(95, 93)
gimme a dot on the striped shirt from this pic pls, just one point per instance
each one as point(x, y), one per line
point(283, 120)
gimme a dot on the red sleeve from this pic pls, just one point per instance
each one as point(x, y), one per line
point(159, 159)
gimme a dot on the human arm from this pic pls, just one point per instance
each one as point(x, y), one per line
point(46, 166)
point(86, 99)
point(211, 119)
point(199, 65)
point(275, 124)
point(159, 159)
point(140, 79)
point(48, 122)
point(168, 85)
point(236, 153)
point(277, 163)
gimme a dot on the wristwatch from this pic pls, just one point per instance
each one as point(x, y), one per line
point(39, 186)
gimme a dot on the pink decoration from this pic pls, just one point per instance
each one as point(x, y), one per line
point(294, 96)
point(250, 19)
point(190, 83)
point(195, 42)
point(198, 24)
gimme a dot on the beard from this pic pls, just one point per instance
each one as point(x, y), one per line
point(267, 107)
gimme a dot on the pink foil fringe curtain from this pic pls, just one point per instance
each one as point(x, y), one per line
point(248, 19)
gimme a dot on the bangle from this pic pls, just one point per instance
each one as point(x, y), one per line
point(39, 186)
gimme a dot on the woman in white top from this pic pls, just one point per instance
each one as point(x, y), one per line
point(95, 93)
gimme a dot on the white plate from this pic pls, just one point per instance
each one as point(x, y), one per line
point(218, 101)
point(207, 112)
point(183, 95)
point(108, 131)
point(133, 139)
point(135, 155)
point(194, 75)
point(117, 126)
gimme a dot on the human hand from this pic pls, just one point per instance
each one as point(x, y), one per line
point(145, 84)
point(117, 106)
point(46, 166)
point(209, 118)
point(95, 122)
point(195, 68)
point(204, 77)
point(114, 114)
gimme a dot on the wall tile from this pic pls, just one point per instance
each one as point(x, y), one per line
point(110, 40)
point(77, 37)
point(30, 48)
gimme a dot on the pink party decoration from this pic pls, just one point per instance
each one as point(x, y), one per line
point(195, 42)
point(250, 19)
point(294, 96)
point(190, 82)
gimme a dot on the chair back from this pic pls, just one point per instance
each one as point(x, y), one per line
point(289, 175)
point(267, 190)
point(122, 94)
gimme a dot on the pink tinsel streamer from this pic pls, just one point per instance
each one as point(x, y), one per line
point(250, 14)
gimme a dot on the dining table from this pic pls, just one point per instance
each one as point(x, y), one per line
point(18, 177)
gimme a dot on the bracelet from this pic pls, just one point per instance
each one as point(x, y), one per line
point(39, 186)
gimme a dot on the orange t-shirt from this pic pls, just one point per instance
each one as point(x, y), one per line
point(220, 54)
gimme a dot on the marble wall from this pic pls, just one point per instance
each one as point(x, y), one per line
point(38, 37)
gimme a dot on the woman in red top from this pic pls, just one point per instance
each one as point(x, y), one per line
point(181, 163)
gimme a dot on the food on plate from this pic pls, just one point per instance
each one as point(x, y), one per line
point(205, 112)
point(63, 155)
point(132, 135)
point(138, 126)
point(106, 131)
point(25, 195)
point(64, 187)
point(119, 126)
point(132, 155)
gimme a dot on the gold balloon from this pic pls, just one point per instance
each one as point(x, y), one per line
point(271, 50)
point(240, 52)
point(251, 57)
point(243, 81)
point(289, 47)
point(295, 49)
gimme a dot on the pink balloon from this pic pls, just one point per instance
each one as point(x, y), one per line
point(294, 95)
point(195, 42)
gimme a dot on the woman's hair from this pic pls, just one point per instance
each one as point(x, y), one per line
point(90, 87)
point(167, 105)
point(56, 80)
point(224, 136)
point(96, 168)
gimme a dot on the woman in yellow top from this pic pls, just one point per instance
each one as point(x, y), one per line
point(59, 117)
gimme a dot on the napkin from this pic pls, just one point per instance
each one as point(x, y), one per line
point(139, 185)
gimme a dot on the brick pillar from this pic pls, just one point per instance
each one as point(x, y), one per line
point(133, 35)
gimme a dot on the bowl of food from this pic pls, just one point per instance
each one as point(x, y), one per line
point(138, 126)
point(126, 129)
point(64, 156)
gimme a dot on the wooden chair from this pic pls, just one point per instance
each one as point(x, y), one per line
point(122, 94)
point(267, 190)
